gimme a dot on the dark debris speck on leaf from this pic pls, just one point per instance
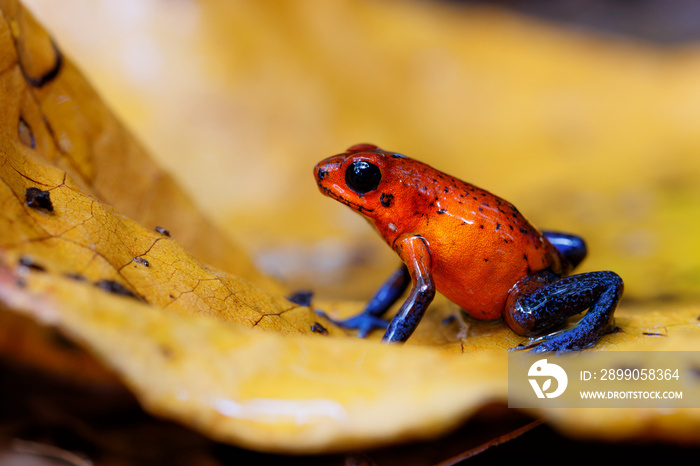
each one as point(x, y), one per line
point(28, 261)
point(142, 261)
point(302, 298)
point(62, 341)
point(318, 328)
point(75, 276)
point(115, 287)
point(38, 199)
point(163, 231)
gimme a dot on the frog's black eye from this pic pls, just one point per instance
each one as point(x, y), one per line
point(362, 176)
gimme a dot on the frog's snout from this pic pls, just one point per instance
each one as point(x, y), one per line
point(325, 168)
point(321, 172)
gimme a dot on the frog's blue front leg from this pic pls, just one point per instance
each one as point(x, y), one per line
point(414, 252)
point(383, 299)
point(540, 302)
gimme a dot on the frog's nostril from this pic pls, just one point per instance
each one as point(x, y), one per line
point(321, 174)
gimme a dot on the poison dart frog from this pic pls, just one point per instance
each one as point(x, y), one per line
point(474, 247)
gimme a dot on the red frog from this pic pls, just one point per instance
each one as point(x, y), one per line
point(472, 246)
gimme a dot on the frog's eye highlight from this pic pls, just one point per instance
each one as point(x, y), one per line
point(362, 176)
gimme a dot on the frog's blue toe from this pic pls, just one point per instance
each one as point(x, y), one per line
point(363, 323)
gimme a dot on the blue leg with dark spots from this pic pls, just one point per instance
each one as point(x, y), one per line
point(370, 318)
point(540, 302)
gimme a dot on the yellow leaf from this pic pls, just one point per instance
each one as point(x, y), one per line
point(186, 336)
point(264, 390)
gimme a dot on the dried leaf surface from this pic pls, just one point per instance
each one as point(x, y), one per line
point(54, 110)
point(264, 390)
point(188, 341)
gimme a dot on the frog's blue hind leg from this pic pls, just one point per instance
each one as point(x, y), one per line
point(540, 302)
point(571, 246)
point(370, 318)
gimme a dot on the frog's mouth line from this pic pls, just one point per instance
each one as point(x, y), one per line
point(352, 205)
